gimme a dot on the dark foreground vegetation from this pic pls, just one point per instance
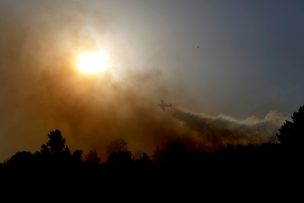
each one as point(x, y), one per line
point(251, 169)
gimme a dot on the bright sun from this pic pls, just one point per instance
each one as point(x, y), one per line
point(92, 62)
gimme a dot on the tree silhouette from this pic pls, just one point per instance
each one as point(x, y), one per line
point(56, 152)
point(116, 146)
point(77, 156)
point(56, 144)
point(92, 158)
point(120, 159)
point(21, 159)
point(291, 133)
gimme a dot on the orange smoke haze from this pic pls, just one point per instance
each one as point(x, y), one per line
point(41, 90)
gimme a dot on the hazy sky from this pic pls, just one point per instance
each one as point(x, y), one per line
point(250, 58)
point(237, 58)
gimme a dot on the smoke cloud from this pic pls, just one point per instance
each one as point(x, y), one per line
point(221, 130)
point(40, 90)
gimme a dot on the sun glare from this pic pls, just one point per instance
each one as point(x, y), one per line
point(92, 62)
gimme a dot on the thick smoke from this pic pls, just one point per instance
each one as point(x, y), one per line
point(40, 90)
point(221, 130)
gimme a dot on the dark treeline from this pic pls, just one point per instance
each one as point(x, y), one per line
point(175, 165)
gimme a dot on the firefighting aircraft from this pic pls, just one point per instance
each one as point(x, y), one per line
point(163, 105)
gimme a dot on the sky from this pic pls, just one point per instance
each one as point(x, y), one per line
point(236, 65)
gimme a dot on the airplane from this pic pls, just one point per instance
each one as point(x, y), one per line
point(163, 105)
